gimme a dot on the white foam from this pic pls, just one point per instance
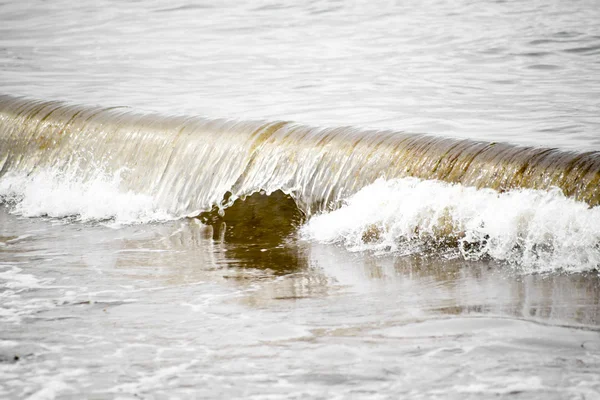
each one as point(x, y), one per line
point(536, 230)
point(55, 194)
point(50, 390)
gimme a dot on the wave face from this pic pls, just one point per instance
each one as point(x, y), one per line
point(187, 164)
point(519, 204)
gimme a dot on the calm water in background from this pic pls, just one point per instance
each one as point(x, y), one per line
point(167, 310)
point(513, 71)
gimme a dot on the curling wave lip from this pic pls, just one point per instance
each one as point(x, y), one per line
point(190, 164)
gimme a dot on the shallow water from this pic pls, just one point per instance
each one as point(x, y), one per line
point(401, 287)
point(162, 310)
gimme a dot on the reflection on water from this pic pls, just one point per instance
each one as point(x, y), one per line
point(168, 307)
point(455, 286)
point(186, 252)
point(292, 269)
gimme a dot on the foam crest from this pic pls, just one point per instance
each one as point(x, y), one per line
point(535, 230)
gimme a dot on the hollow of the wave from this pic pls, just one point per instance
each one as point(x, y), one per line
point(258, 218)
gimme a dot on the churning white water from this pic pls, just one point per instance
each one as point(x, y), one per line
point(534, 230)
point(53, 194)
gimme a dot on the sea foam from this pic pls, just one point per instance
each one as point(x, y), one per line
point(51, 193)
point(532, 229)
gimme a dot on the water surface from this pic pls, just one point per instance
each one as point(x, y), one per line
point(330, 276)
point(163, 310)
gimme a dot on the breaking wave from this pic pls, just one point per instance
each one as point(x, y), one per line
point(381, 191)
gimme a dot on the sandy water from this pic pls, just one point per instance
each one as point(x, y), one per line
point(95, 309)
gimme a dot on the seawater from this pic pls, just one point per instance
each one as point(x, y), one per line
point(179, 246)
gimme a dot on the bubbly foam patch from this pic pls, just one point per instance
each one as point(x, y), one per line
point(535, 230)
point(59, 195)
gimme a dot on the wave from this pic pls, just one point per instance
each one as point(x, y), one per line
point(356, 187)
